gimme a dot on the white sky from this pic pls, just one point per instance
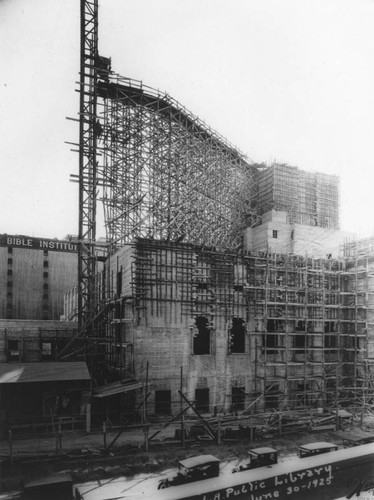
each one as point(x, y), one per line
point(290, 80)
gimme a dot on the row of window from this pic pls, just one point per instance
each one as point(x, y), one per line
point(202, 344)
point(9, 305)
point(9, 313)
point(202, 339)
point(271, 340)
point(45, 252)
point(48, 349)
point(237, 334)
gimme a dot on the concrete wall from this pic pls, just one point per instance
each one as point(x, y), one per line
point(263, 238)
point(175, 285)
point(167, 350)
point(121, 262)
point(317, 241)
point(33, 280)
point(293, 238)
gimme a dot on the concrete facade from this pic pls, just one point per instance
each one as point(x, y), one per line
point(34, 275)
point(237, 329)
point(277, 235)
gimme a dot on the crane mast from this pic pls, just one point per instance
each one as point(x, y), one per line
point(88, 177)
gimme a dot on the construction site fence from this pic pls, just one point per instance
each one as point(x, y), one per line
point(264, 424)
point(218, 430)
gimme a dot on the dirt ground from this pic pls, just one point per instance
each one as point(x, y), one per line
point(129, 458)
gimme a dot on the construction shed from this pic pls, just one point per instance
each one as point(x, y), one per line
point(43, 396)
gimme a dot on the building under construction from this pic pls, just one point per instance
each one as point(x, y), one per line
point(222, 278)
point(243, 328)
point(221, 281)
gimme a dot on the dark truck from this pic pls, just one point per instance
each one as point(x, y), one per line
point(308, 450)
point(260, 457)
point(357, 441)
point(193, 469)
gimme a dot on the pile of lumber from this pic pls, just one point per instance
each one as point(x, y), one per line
point(283, 423)
point(267, 425)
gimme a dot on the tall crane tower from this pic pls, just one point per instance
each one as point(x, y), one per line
point(88, 176)
point(91, 73)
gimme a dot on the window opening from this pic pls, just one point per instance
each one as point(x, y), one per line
point(237, 398)
point(237, 336)
point(330, 341)
point(300, 326)
point(329, 326)
point(13, 350)
point(163, 402)
point(299, 342)
point(275, 233)
point(270, 342)
point(273, 325)
point(202, 400)
point(46, 350)
point(353, 343)
point(201, 339)
point(119, 283)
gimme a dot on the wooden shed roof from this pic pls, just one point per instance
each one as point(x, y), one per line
point(11, 373)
